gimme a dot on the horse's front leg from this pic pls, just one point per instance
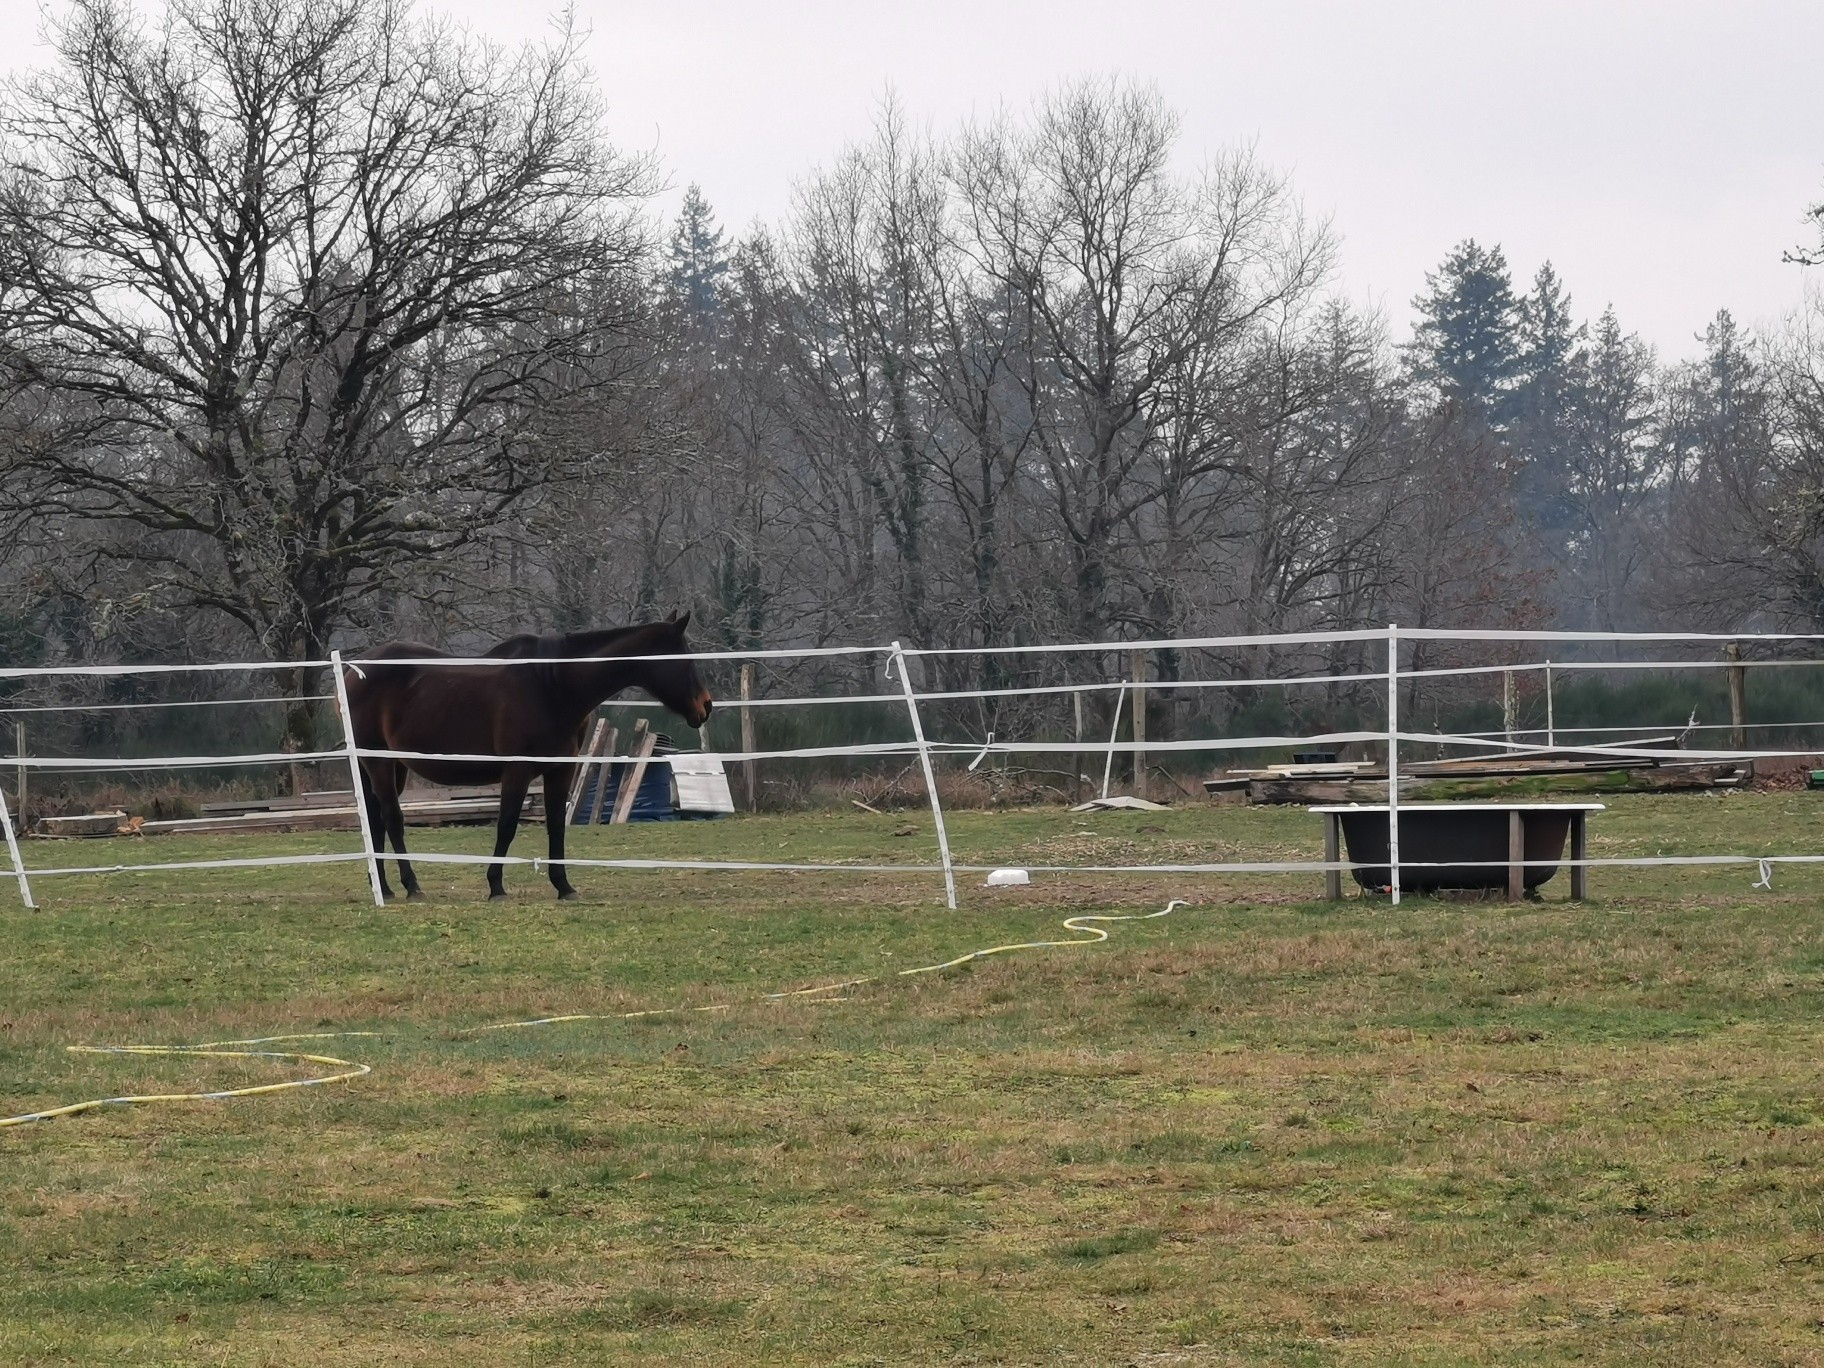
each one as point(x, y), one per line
point(557, 816)
point(513, 783)
point(376, 827)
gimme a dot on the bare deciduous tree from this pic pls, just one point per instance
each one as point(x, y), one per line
point(1747, 518)
point(1135, 282)
point(303, 274)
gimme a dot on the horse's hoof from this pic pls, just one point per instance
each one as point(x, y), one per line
point(497, 897)
point(568, 895)
point(416, 895)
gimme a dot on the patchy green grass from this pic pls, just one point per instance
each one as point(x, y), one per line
point(1264, 1129)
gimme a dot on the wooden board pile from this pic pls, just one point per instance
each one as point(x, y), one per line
point(1503, 776)
point(329, 810)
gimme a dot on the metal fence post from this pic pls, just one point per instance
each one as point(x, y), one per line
point(1076, 759)
point(1393, 762)
point(19, 750)
point(12, 849)
point(1114, 732)
point(354, 774)
point(924, 758)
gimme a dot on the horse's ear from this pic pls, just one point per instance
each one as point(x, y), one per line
point(681, 622)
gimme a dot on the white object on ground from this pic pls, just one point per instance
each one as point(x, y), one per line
point(1121, 802)
point(1008, 878)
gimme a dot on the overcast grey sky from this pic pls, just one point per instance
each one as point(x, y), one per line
point(1661, 153)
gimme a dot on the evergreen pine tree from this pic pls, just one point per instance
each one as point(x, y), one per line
point(1719, 406)
point(1719, 414)
point(1548, 341)
point(1615, 470)
point(1544, 406)
point(1466, 344)
point(699, 258)
point(1728, 379)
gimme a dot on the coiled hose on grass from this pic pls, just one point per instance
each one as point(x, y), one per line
point(351, 1069)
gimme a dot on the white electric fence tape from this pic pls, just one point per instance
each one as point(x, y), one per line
point(1391, 736)
point(790, 867)
point(143, 707)
point(925, 748)
point(99, 764)
point(1080, 648)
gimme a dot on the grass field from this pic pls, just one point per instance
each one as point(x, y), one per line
point(1261, 1130)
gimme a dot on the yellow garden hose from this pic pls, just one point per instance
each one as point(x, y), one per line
point(349, 1069)
point(1096, 936)
point(219, 1049)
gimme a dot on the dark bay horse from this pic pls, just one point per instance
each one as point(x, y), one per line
point(489, 710)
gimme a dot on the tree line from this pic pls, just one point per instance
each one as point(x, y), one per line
point(323, 322)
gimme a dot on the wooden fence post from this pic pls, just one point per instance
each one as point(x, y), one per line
point(1139, 724)
point(1516, 856)
point(1738, 697)
point(1551, 726)
point(747, 736)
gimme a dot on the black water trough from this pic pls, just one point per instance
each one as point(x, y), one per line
point(1515, 846)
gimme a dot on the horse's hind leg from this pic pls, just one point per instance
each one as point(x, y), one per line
point(376, 827)
point(395, 826)
point(513, 783)
point(557, 816)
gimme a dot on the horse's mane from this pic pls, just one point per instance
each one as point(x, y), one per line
point(515, 647)
point(564, 645)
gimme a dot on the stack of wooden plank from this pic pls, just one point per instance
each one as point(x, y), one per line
point(662, 783)
point(329, 810)
point(1502, 776)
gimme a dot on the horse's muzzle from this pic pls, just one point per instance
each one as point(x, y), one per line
point(704, 706)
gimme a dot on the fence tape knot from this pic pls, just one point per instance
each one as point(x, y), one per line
point(982, 754)
point(1766, 879)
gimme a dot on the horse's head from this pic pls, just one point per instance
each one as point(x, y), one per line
point(675, 683)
